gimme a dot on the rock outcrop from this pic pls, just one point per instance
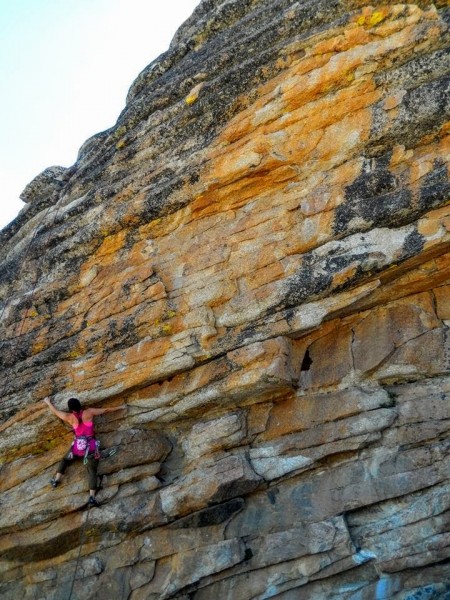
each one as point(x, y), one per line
point(256, 260)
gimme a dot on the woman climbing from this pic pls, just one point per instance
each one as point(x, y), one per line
point(84, 445)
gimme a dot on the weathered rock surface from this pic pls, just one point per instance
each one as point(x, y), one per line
point(45, 186)
point(256, 259)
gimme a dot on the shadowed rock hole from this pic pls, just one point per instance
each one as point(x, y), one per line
point(307, 362)
point(248, 554)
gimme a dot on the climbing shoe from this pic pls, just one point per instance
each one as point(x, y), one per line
point(54, 483)
point(92, 502)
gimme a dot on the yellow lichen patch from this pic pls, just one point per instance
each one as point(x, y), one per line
point(38, 347)
point(119, 132)
point(371, 19)
point(194, 94)
point(75, 353)
point(376, 18)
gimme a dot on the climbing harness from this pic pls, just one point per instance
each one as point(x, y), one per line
point(82, 442)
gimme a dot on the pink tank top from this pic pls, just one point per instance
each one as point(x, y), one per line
point(83, 431)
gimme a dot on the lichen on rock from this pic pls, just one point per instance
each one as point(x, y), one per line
point(256, 260)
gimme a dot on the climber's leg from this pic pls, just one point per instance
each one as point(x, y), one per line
point(61, 469)
point(92, 467)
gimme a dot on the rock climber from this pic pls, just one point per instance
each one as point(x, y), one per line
point(84, 445)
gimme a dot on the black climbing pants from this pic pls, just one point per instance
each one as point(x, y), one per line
point(91, 465)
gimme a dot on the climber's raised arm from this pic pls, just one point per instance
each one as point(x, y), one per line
point(94, 412)
point(64, 416)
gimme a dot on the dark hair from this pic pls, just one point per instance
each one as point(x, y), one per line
point(74, 405)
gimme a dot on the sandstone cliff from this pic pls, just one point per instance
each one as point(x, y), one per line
point(256, 259)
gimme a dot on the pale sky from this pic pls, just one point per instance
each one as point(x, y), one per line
point(65, 70)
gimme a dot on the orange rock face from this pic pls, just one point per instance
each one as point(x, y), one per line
point(255, 259)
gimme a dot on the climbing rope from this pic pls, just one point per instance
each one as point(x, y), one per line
point(83, 529)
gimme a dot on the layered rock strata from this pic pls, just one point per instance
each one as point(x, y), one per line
point(256, 259)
